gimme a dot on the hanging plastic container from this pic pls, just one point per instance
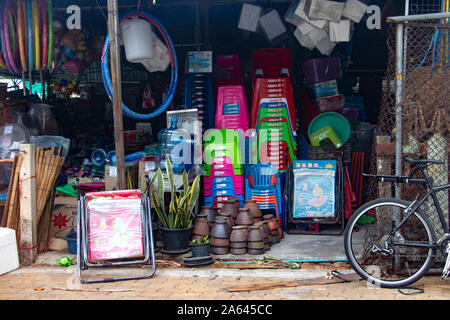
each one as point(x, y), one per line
point(137, 38)
point(178, 145)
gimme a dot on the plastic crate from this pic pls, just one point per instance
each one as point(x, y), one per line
point(330, 152)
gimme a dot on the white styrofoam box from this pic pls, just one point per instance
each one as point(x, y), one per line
point(272, 25)
point(300, 11)
point(249, 18)
point(304, 40)
point(325, 9)
point(9, 256)
point(322, 41)
point(354, 10)
point(340, 31)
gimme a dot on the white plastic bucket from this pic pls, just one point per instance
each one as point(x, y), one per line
point(137, 39)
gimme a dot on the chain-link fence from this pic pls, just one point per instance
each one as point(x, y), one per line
point(414, 113)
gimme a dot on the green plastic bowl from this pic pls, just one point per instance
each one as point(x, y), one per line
point(337, 121)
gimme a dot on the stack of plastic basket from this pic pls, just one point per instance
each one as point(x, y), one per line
point(274, 119)
point(199, 94)
point(231, 110)
point(223, 167)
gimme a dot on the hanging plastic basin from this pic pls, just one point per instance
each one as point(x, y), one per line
point(337, 121)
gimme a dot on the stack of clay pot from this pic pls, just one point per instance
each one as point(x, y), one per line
point(211, 213)
point(265, 232)
point(255, 241)
point(275, 229)
point(230, 208)
point(220, 236)
point(201, 227)
point(238, 240)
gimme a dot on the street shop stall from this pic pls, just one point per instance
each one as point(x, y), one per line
point(195, 131)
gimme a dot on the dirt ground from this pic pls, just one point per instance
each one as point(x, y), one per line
point(43, 283)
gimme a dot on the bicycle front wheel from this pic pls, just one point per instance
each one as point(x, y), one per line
point(384, 258)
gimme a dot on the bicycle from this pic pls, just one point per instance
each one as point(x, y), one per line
point(398, 246)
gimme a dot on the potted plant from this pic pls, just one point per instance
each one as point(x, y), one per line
point(176, 219)
point(200, 247)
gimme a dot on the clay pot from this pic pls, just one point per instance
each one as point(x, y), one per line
point(255, 245)
point(219, 242)
point(264, 231)
point(229, 218)
point(255, 251)
point(255, 234)
point(238, 251)
point(269, 236)
point(236, 202)
point(273, 226)
point(219, 250)
point(230, 207)
point(238, 244)
point(255, 212)
point(221, 229)
point(238, 234)
point(201, 227)
point(244, 217)
point(211, 212)
point(275, 239)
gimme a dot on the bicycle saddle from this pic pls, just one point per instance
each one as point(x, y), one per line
point(415, 162)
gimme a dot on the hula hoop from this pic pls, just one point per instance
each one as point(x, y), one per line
point(50, 34)
point(37, 50)
point(30, 36)
point(9, 59)
point(43, 13)
point(174, 63)
point(21, 34)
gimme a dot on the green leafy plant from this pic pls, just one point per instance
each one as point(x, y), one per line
point(202, 240)
point(182, 203)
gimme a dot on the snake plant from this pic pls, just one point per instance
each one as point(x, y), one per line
point(182, 203)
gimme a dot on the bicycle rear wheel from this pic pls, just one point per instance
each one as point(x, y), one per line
point(385, 260)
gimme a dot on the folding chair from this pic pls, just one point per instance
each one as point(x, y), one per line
point(114, 230)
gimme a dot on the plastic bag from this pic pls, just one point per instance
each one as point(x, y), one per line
point(147, 99)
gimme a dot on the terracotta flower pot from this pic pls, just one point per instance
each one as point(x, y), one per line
point(236, 202)
point(255, 251)
point(201, 227)
point(210, 212)
point(229, 218)
point(264, 231)
point(244, 217)
point(238, 251)
point(219, 250)
point(255, 234)
point(238, 234)
point(255, 212)
point(273, 226)
point(221, 229)
point(238, 244)
point(255, 245)
point(219, 242)
point(229, 207)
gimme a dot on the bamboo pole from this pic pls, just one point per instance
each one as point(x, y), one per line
point(113, 29)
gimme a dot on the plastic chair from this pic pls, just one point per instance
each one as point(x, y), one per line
point(261, 181)
point(231, 110)
point(114, 229)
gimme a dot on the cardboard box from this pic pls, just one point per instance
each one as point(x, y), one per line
point(340, 31)
point(149, 168)
point(64, 216)
point(111, 176)
point(84, 179)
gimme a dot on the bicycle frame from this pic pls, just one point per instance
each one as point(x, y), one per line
point(432, 192)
